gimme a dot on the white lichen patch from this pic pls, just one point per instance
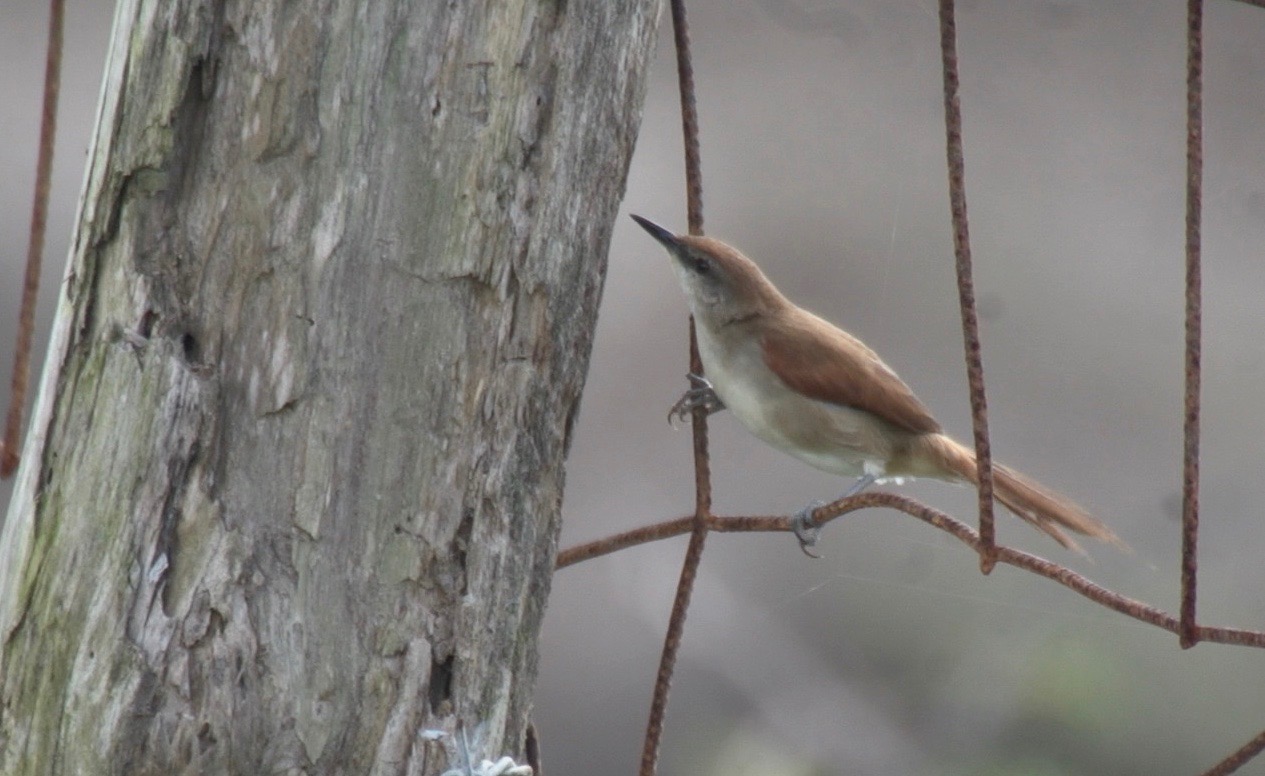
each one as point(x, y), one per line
point(286, 226)
point(281, 372)
point(328, 232)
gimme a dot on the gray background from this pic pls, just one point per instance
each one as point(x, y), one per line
point(823, 152)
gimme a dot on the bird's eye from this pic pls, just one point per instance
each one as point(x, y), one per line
point(702, 265)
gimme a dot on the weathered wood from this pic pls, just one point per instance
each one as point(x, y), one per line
point(292, 491)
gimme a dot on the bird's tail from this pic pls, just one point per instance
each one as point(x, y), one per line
point(1046, 510)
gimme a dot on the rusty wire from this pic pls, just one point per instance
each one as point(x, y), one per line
point(959, 530)
point(1189, 635)
point(983, 542)
point(689, 119)
point(11, 443)
point(966, 285)
point(1241, 756)
point(701, 519)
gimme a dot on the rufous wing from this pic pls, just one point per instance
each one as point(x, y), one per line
point(828, 364)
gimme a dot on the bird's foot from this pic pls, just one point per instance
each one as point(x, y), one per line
point(806, 529)
point(701, 394)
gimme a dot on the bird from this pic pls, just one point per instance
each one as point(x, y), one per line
point(812, 390)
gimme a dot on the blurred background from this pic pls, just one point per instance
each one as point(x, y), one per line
point(823, 159)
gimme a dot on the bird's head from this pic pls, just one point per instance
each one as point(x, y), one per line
point(722, 284)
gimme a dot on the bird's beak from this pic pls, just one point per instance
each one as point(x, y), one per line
point(668, 239)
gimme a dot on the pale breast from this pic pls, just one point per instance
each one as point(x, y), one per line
point(836, 439)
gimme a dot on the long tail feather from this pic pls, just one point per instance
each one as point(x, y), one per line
point(1044, 509)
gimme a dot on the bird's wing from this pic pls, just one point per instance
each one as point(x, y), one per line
point(828, 364)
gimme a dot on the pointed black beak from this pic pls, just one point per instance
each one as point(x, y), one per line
point(669, 240)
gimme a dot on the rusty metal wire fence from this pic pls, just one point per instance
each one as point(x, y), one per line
point(982, 541)
point(1185, 625)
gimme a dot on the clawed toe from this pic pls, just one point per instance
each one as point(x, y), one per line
point(700, 395)
point(806, 529)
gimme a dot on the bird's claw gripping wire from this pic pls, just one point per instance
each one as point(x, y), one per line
point(700, 394)
point(806, 529)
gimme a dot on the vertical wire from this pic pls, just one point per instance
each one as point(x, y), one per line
point(702, 464)
point(966, 285)
point(9, 456)
point(1194, 192)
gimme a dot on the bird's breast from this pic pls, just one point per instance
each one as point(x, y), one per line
point(830, 437)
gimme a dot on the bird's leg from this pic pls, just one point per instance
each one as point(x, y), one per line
point(807, 530)
point(700, 394)
point(863, 482)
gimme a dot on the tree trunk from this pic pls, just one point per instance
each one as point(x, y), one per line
point(290, 500)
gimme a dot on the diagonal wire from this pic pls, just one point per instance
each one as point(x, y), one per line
point(1238, 758)
point(1078, 583)
point(1194, 185)
point(966, 285)
point(35, 247)
point(702, 465)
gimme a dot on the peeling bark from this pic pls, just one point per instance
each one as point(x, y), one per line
point(291, 494)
